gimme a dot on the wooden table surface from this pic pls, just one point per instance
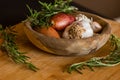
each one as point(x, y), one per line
point(54, 67)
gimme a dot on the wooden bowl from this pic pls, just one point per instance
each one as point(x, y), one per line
point(70, 46)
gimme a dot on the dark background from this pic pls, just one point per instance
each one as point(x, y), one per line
point(109, 8)
point(15, 11)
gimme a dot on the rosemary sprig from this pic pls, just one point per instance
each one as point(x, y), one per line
point(110, 60)
point(11, 48)
point(42, 18)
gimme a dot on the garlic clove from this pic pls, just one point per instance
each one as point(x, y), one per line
point(96, 26)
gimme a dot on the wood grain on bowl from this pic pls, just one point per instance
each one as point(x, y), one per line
point(70, 46)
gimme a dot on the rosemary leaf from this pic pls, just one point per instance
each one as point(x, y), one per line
point(112, 59)
point(43, 17)
point(11, 48)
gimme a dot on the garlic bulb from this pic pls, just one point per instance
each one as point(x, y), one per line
point(81, 28)
point(86, 24)
point(74, 31)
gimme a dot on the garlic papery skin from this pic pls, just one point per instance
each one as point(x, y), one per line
point(88, 30)
point(86, 24)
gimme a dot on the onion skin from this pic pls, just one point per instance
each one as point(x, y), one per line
point(72, 18)
point(61, 20)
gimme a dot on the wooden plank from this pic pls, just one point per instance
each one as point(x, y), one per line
point(54, 67)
